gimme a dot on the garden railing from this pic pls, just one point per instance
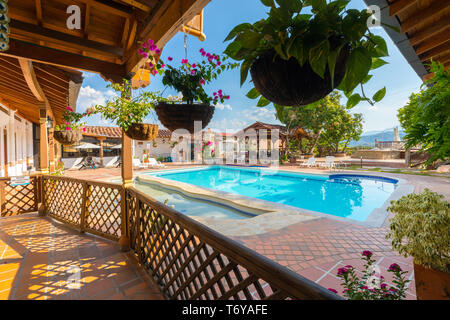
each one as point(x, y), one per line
point(186, 259)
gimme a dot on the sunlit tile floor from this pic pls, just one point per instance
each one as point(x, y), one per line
point(41, 259)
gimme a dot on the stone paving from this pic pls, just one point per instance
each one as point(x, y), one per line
point(40, 259)
point(315, 249)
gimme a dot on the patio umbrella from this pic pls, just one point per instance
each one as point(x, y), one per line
point(119, 146)
point(87, 146)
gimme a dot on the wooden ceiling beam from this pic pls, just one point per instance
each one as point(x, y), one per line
point(25, 115)
point(432, 42)
point(138, 5)
point(437, 52)
point(31, 79)
point(111, 7)
point(424, 15)
point(60, 58)
point(75, 42)
point(399, 6)
point(441, 26)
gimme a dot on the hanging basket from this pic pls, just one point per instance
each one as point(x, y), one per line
point(286, 83)
point(142, 131)
point(67, 138)
point(182, 116)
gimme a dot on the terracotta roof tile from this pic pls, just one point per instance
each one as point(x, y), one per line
point(116, 132)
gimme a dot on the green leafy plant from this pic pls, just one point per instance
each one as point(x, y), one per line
point(426, 117)
point(369, 286)
point(72, 120)
point(125, 110)
point(316, 39)
point(59, 169)
point(189, 78)
point(421, 228)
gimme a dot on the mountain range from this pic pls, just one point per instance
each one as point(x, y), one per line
point(368, 138)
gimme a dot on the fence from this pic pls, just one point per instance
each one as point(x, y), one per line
point(186, 259)
point(18, 199)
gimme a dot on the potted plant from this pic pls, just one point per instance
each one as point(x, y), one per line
point(69, 132)
point(129, 112)
point(194, 104)
point(296, 58)
point(421, 228)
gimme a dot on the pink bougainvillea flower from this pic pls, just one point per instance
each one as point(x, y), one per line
point(219, 63)
point(84, 129)
point(158, 51)
point(194, 66)
point(193, 71)
point(69, 108)
point(203, 53)
point(214, 93)
point(367, 253)
point(163, 65)
point(208, 55)
point(154, 72)
point(395, 267)
point(170, 58)
point(153, 47)
point(227, 97)
point(150, 42)
point(68, 129)
point(342, 271)
point(332, 290)
point(202, 81)
point(151, 65)
point(184, 61)
point(220, 91)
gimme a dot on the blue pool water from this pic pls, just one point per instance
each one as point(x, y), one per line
point(353, 197)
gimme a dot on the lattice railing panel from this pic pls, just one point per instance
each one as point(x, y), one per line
point(189, 261)
point(18, 199)
point(103, 210)
point(63, 199)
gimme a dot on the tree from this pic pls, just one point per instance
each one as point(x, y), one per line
point(425, 118)
point(313, 118)
point(343, 128)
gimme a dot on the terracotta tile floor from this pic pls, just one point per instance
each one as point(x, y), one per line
point(41, 259)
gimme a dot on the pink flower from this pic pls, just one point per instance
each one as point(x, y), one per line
point(194, 66)
point(84, 129)
point(219, 63)
point(202, 81)
point(227, 97)
point(395, 267)
point(208, 55)
point(69, 108)
point(193, 71)
point(163, 65)
point(170, 58)
point(153, 47)
point(150, 65)
point(202, 50)
point(332, 290)
point(184, 61)
point(367, 253)
point(220, 91)
point(203, 53)
point(150, 42)
point(349, 266)
point(154, 72)
point(215, 93)
point(342, 271)
point(158, 51)
point(68, 129)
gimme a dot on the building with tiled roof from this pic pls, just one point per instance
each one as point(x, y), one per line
point(116, 132)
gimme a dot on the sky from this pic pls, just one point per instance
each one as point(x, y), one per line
point(220, 16)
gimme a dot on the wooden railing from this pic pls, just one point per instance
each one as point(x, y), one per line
point(18, 199)
point(89, 206)
point(186, 259)
point(190, 261)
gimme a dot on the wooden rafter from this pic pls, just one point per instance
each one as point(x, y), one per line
point(30, 78)
point(441, 26)
point(432, 42)
point(425, 15)
point(399, 6)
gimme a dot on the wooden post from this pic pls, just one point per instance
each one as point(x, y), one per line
point(101, 139)
point(51, 150)
point(43, 141)
point(408, 158)
point(127, 181)
point(84, 206)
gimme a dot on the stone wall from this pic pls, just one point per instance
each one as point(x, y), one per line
point(377, 154)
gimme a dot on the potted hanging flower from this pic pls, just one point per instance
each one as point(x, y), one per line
point(70, 132)
point(128, 112)
point(194, 104)
point(297, 58)
point(420, 228)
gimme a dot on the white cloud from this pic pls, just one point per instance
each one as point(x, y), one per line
point(223, 106)
point(89, 97)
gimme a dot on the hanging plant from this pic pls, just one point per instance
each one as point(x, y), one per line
point(70, 132)
point(4, 26)
point(296, 58)
point(129, 112)
point(193, 104)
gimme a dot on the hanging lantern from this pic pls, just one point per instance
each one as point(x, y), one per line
point(4, 26)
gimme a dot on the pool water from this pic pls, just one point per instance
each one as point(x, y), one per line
point(190, 206)
point(353, 197)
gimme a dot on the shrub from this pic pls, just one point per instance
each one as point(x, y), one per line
point(421, 228)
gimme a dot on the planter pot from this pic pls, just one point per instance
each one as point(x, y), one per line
point(182, 116)
point(308, 155)
point(67, 138)
point(339, 154)
point(431, 284)
point(292, 160)
point(286, 83)
point(142, 131)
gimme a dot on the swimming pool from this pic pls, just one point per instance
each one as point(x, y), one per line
point(349, 196)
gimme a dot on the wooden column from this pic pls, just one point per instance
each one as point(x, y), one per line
point(51, 151)
point(101, 139)
point(43, 166)
point(127, 181)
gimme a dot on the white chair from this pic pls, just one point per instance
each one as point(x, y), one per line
point(311, 162)
point(111, 162)
point(329, 162)
point(137, 164)
point(153, 163)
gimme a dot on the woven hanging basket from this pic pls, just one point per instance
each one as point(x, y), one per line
point(142, 131)
point(286, 83)
point(182, 116)
point(68, 138)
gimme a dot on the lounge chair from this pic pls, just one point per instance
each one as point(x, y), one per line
point(137, 164)
point(87, 163)
point(152, 162)
point(311, 162)
point(329, 162)
point(112, 162)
